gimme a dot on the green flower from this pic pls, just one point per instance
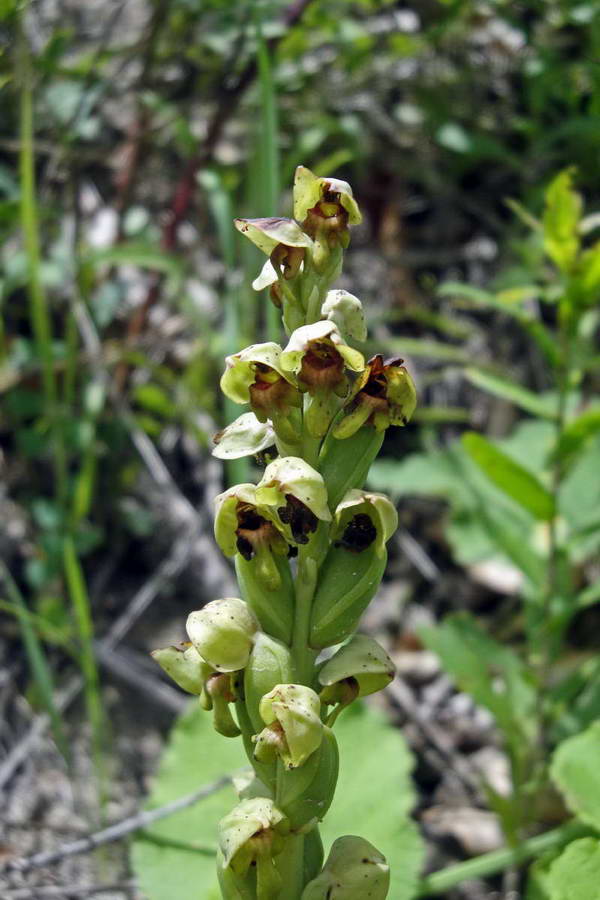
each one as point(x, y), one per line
point(318, 356)
point(354, 870)
point(256, 376)
point(293, 495)
point(323, 202)
point(294, 729)
point(358, 668)
point(184, 665)
point(362, 519)
point(250, 836)
point(283, 241)
point(242, 527)
point(383, 395)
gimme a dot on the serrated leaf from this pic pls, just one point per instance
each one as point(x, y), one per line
point(575, 874)
point(542, 407)
point(510, 476)
point(575, 770)
point(491, 673)
point(197, 755)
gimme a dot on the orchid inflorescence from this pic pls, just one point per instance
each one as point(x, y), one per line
point(309, 545)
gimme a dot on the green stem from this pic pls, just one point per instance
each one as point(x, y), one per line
point(499, 860)
point(302, 655)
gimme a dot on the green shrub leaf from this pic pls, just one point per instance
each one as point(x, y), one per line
point(510, 476)
point(576, 771)
point(575, 874)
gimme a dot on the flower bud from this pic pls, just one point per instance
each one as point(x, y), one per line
point(345, 310)
point(270, 664)
point(294, 728)
point(354, 870)
point(251, 835)
point(294, 495)
point(256, 376)
point(241, 527)
point(223, 633)
point(362, 519)
point(358, 668)
point(244, 437)
point(383, 395)
point(184, 665)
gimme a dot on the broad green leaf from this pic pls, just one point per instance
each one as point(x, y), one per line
point(575, 874)
point(375, 796)
point(576, 435)
point(561, 219)
point(576, 771)
point(491, 673)
point(510, 476)
point(374, 799)
point(537, 405)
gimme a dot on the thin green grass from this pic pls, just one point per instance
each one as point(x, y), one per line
point(39, 666)
point(268, 154)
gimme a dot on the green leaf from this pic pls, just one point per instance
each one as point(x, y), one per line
point(543, 407)
point(561, 219)
point(510, 476)
point(146, 256)
point(576, 435)
point(575, 874)
point(576, 772)
point(491, 673)
point(382, 792)
point(167, 865)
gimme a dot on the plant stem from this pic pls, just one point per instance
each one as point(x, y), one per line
point(302, 655)
point(498, 860)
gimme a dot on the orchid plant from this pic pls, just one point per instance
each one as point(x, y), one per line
point(278, 665)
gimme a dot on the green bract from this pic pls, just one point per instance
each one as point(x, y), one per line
point(354, 870)
point(310, 191)
point(244, 437)
point(364, 518)
point(223, 633)
point(294, 710)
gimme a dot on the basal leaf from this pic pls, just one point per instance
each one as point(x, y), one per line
point(576, 771)
point(575, 874)
point(510, 476)
point(374, 799)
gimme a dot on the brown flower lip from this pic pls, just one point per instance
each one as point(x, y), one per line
point(270, 391)
point(322, 366)
point(358, 534)
point(253, 531)
point(301, 520)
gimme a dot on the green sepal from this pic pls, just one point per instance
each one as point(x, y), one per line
point(272, 606)
point(235, 887)
point(270, 663)
point(268, 233)
point(313, 854)
point(184, 665)
point(306, 793)
point(354, 870)
point(244, 437)
point(347, 584)
point(364, 661)
point(346, 311)
point(345, 464)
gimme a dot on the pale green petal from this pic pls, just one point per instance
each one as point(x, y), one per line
point(266, 277)
point(244, 437)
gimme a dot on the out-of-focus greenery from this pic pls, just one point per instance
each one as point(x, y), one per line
point(120, 119)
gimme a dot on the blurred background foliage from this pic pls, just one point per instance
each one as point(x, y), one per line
point(132, 133)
